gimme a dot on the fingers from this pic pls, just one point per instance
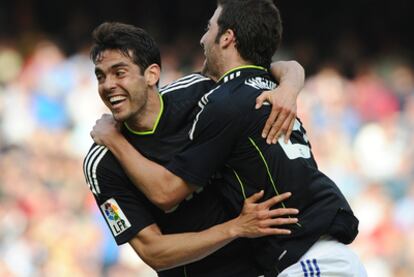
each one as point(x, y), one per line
point(275, 200)
point(270, 122)
point(275, 231)
point(265, 96)
point(279, 221)
point(278, 127)
point(287, 123)
point(255, 197)
point(283, 212)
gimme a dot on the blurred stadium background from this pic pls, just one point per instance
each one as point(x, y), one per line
point(357, 105)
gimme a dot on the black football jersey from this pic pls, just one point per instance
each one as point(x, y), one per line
point(127, 211)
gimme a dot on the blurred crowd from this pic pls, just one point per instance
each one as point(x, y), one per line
point(361, 127)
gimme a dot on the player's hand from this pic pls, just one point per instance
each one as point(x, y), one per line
point(283, 114)
point(258, 219)
point(106, 130)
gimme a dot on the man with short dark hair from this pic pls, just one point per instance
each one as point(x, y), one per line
point(127, 67)
point(226, 136)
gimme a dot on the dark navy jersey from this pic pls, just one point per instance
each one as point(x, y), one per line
point(226, 137)
point(127, 211)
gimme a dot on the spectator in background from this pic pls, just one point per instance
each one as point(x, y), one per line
point(34, 164)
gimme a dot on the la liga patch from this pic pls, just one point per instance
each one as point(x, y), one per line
point(114, 216)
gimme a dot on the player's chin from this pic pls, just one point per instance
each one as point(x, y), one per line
point(206, 70)
point(119, 116)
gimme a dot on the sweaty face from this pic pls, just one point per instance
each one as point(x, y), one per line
point(210, 46)
point(121, 85)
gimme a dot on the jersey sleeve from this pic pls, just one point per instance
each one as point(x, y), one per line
point(125, 209)
point(192, 86)
point(214, 133)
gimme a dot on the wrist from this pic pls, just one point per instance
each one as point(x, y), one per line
point(290, 87)
point(112, 142)
point(233, 229)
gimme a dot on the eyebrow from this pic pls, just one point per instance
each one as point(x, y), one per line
point(120, 64)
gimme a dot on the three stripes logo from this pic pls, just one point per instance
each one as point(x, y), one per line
point(183, 83)
point(310, 268)
point(90, 166)
point(231, 76)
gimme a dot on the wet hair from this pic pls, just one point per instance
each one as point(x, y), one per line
point(257, 26)
point(132, 41)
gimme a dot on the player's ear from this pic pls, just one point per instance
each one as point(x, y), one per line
point(152, 74)
point(227, 38)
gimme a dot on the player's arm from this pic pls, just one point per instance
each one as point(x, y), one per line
point(134, 222)
point(256, 219)
point(291, 78)
point(167, 186)
point(159, 185)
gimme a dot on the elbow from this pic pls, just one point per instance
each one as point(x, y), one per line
point(298, 67)
point(165, 203)
point(167, 197)
point(156, 262)
point(153, 249)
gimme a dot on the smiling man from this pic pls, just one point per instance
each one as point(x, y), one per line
point(198, 237)
point(225, 137)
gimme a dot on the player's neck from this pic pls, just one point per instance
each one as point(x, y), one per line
point(148, 116)
point(233, 62)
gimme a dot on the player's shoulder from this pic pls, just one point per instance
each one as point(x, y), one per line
point(243, 89)
point(100, 168)
point(193, 85)
point(98, 156)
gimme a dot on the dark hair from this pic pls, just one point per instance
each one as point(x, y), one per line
point(257, 26)
point(125, 38)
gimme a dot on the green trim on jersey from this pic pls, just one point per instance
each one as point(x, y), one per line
point(150, 132)
point(268, 171)
point(241, 183)
point(241, 67)
point(267, 167)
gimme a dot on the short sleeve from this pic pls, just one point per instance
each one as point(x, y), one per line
point(125, 209)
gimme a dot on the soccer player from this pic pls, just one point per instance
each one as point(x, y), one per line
point(226, 137)
point(127, 64)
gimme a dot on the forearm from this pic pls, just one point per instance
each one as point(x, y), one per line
point(255, 220)
point(158, 184)
point(289, 73)
point(168, 251)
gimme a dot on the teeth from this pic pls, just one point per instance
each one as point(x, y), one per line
point(115, 99)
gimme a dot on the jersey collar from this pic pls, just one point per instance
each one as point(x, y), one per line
point(236, 72)
point(154, 128)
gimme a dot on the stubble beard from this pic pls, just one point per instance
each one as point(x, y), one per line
point(210, 68)
point(134, 119)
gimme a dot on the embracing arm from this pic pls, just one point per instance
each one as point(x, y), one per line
point(291, 78)
point(172, 250)
point(159, 185)
point(163, 188)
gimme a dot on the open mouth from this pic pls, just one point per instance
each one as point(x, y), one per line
point(115, 100)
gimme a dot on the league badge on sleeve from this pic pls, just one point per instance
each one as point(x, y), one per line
point(114, 216)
